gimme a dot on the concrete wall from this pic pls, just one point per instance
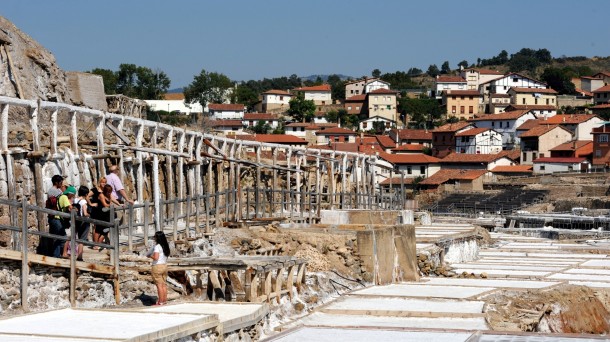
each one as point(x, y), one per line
point(87, 90)
point(366, 217)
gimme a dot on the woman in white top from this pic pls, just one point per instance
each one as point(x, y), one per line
point(159, 254)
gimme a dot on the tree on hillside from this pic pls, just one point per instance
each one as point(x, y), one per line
point(301, 110)
point(559, 80)
point(376, 73)
point(109, 78)
point(445, 69)
point(422, 111)
point(433, 70)
point(261, 127)
point(337, 87)
point(414, 72)
point(463, 64)
point(245, 95)
point(399, 80)
point(207, 87)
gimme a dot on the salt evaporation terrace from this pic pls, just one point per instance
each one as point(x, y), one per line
point(432, 309)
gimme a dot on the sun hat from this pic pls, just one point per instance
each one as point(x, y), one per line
point(70, 190)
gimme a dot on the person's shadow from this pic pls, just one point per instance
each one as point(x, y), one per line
point(146, 299)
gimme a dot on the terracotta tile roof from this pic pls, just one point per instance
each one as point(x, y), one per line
point(279, 139)
point(451, 127)
point(462, 92)
point(414, 134)
point(173, 96)
point(384, 91)
point(499, 96)
point(247, 137)
point(590, 77)
point(397, 181)
point(513, 74)
point(409, 158)
point(366, 80)
point(603, 89)
point(485, 71)
point(336, 130)
point(450, 79)
point(529, 124)
point(226, 123)
point(319, 126)
point(568, 119)
point(530, 107)
point(260, 116)
point(472, 132)
point(513, 168)
point(385, 141)
point(601, 106)
point(464, 158)
point(226, 106)
point(510, 115)
point(583, 92)
point(356, 98)
point(277, 92)
point(513, 155)
point(539, 131)
point(445, 175)
point(322, 87)
point(559, 160)
point(572, 145)
point(408, 147)
point(604, 73)
point(533, 90)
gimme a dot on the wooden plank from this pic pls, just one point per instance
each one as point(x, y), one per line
point(56, 262)
point(278, 283)
point(25, 268)
point(290, 280)
point(117, 132)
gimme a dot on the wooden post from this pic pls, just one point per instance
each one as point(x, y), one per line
point(198, 187)
point(115, 252)
point(4, 128)
point(278, 284)
point(140, 167)
point(175, 219)
point(130, 228)
point(156, 193)
point(73, 255)
point(25, 268)
point(180, 171)
point(146, 215)
point(53, 146)
point(188, 217)
point(274, 180)
point(343, 179)
point(300, 276)
point(267, 286)
point(39, 181)
point(258, 182)
point(290, 280)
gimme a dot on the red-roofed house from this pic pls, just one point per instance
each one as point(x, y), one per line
point(413, 164)
point(226, 111)
point(443, 137)
point(602, 95)
point(505, 123)
point(591, 83)
point(444, 83)
point(451, 180)
point(253, 119)
point(174, 102)
point(408, 148)
point(227, 127)
point(276, 101)
point(535, 97)
point(573, 149)
point(475, 161)
point(320, 94)
point(382, 103)
point(376, 122)
point(356, 104)
point(335, 134)
point(281, 139)
point(412, 136)
point(474, 77)
point(463, 104)
point(601, 145)
point(552, 165)
point(512, 170)
point(538, 141)
point(580, 125)
point(364, 86)
point(478, 140)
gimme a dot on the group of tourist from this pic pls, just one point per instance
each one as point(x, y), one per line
point(94, 203)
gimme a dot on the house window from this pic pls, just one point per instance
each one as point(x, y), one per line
point(281, 98)
point(524, 100)
point(542, 168)
point(251, 123)
point(461, 86)
point(409, 170)
point(470, 109)
point(493, 124)
point(357, 107)
point(352, 91)
point(461, 109)
point(357, 92)
point(515, 80)
point(422, 170)
point(598, 153)
point(536, 101)
point(302, 129)
point(388, 107)
point(603, 138)
point(453, 109)
point(547, 101)
point(461, 97)
point(364, 124)
point(349, 107)
point(570, 168)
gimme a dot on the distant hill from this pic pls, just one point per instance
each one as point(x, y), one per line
point(313, 78)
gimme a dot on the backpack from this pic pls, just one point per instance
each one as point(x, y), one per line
point(52, 203)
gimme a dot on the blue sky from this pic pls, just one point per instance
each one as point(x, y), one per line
point(247, 39)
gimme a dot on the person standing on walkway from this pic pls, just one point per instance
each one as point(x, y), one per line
point(159, 253)
point(55, 225)
point(118, 190)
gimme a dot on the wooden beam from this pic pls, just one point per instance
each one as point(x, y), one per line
point(56, 262)
point(117, 132)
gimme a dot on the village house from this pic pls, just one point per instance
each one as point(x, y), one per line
point(540, 111)
point(474, 77)
point(601, 145)
point(500, 172)
point(478, 141)
point(443, 137)
point(604, 75)
point(411, 136)
point(226, 111)
point(355, 105)
point(463, 104)
point(538, 141)
point(412, 165)
point(504, 123)
point(533, 97)
point(475, 161)
point(550, 165)
point(382, 103)
point(383, 142)
point(444, 83)
point(591, 83)
point(174, 102)
point(581, 125)
point(502, 84)
point(364, 86)
point(276, 101)
point(226, 127)
point(498, 103)
point(573, 149)
point(601, 95)
point(409, 148)
point(455, 180)
point(320, 94)
point(372, 122)
point(281, 139)
point(335, 134)
point(252, 119)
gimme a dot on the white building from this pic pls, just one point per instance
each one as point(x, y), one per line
point(224, 111)
point(252, 119)
point(478, 141)
point(364, 86)
point(320, 95)
point(444, 83)
point(174, 102)
point(475, 77)
point(506, 124)
point(502, 84)
point(276, 100)
point(368, 124)
point(553, 165)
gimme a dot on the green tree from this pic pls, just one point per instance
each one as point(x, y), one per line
point(463, 64)
point(207, 87)
point(301, 110)
point(109, 78)
point(126, 79)
point(445, 69)
point(140, 82)
point(423, 112)
point(559, 80)
point(261, 127)
point(337, 87)
point(376, 73)
point(433, 70)
point(245, 95)
point(414, 72)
